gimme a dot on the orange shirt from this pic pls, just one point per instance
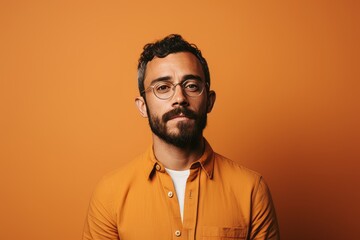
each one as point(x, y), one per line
point(223, 200)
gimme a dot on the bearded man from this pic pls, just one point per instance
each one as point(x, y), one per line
point(179, 188)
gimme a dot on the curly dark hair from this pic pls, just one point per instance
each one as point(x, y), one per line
point(173, 43)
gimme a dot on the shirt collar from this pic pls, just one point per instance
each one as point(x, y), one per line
point(206, 162)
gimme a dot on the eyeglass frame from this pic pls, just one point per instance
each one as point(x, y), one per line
point(205, 85)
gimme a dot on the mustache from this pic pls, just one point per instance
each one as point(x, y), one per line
point(177, 111)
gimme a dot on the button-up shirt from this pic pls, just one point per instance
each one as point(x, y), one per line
point(223, 200)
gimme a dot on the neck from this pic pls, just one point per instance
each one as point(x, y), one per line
point(176, 158)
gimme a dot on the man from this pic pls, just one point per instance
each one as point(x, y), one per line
point(179, 188)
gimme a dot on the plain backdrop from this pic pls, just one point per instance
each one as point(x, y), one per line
point(286, 75)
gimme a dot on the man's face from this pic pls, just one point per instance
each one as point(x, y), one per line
point(179, 120)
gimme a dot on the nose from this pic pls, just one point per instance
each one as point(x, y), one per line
point(179, 98)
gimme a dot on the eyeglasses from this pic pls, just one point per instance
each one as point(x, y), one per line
point(165, 89)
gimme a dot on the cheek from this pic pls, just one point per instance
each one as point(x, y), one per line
point(155, 110)
point(151, 105)
point(203, 106)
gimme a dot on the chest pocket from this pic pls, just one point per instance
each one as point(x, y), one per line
point(223, 233)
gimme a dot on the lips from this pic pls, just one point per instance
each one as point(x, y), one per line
point(181, 115)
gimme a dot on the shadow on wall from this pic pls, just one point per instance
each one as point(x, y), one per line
point(313, 186)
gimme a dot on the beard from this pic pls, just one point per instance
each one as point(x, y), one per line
point(188, 134)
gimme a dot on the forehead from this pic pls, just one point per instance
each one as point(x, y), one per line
point(174, 65)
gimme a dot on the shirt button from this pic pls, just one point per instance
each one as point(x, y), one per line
point(158, 167)
point(177, 233)
point(170, 194)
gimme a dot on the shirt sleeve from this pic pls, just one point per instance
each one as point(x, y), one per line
point(264, 223)
point(100, 223)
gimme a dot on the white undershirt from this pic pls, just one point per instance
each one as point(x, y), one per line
point(179, 179)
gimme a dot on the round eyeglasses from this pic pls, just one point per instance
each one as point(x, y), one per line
point(166, 89)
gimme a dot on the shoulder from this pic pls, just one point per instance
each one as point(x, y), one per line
point(235, 174)
point(116, 182)
point(234, 168)
point(240, 179)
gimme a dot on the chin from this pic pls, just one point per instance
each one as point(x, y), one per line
point(180, 129)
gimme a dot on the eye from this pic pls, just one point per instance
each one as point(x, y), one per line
point(192, 86)
point(162, 87)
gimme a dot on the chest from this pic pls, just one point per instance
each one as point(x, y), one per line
point(212, 210)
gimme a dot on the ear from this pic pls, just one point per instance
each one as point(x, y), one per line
point(210, 100)
point(141, 105)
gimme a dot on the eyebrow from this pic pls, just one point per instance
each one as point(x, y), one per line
point(168, 78)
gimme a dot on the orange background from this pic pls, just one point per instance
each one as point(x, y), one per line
point(286, 75)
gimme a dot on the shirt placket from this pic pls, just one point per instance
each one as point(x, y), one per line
point(177, 231)
point(191, 204)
